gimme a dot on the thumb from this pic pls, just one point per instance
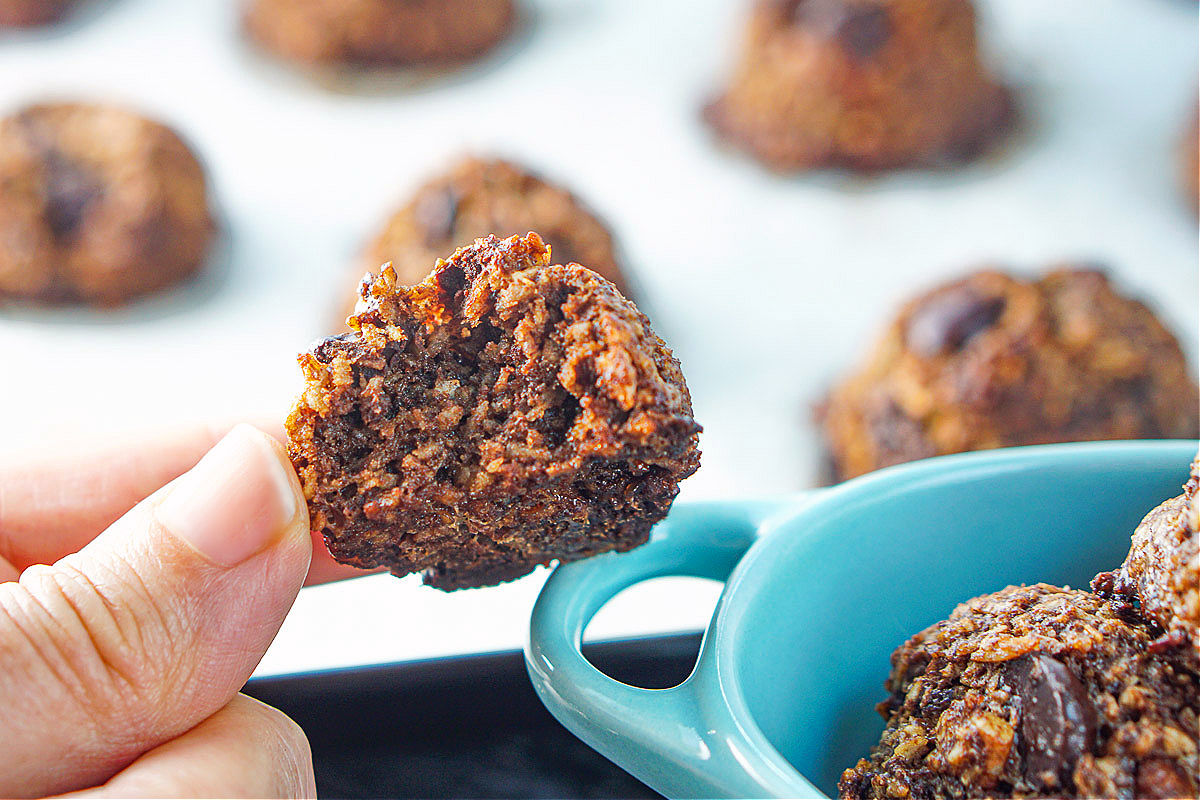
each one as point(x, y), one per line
point(155, 625)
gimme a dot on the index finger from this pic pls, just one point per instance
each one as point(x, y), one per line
point(52, 504)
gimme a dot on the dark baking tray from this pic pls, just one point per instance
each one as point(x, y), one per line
point(468, 726)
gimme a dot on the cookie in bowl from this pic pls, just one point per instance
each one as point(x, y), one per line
point(861, 84)
point(995, 360)
point(1042, 691)
point(477, 197)
point(98, 206)
point(1034, 691)
point(500, 414)
point(1160, 578)
point(378, 33)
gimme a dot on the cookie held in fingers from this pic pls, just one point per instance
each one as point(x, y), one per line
point(98, 206)
point(501, 414)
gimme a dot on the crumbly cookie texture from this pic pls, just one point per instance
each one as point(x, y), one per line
point(477, 197)
point(861, 84)
point(1160, 578)
point(371, 33)
point(501, 414)
point(993, 361)
point(1034, 691)
point(97, 206)
point(30, 13)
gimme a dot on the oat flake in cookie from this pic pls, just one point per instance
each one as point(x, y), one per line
point(97, 206)
point(994, 360)
point(861, 84)
point(501, 414)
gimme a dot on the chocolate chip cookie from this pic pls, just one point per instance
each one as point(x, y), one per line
point(97, 206)
point(1160, 578)
point(1034, 691)
point(861, 84)
point(29, 13)
point(389, 33)
point(478, 197)
point(500, 414)
point(994, 360)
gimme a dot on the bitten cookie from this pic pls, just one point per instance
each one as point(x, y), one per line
point(501, 414)
point(995, 361)
point(862, 84)
point(378, 32)
point(1034, 691)
point(1161, 575)
point(29, 13)
point(97, 206)
point(477, 198)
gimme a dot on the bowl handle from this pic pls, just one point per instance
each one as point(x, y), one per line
point(668, 738)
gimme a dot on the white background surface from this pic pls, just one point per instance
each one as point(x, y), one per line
point(766, 286)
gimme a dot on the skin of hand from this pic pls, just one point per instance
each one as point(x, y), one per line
point(129, 625)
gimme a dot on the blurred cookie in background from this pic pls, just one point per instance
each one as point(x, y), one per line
point(1190, 147)
point(861, 84)
point(478, 197)
point(379, 32)
point(29, 13)
point(993, 360)
point(97, 206)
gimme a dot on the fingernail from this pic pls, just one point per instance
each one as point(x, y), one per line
point(235, 503)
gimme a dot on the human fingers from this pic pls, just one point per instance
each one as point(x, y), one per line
point(53, 504)
point(247, 749)
point(155, 625)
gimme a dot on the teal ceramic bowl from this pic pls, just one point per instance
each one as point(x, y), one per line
point(820, 589)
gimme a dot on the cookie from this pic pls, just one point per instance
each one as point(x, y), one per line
point(480, 197)
point(30, 13)
point(373, 33)
point(1034, 691)
point(1161, 575)
point(861, 84)
point(994, 360)
point(97, 206)
point(502, 413)
point(1190, 163)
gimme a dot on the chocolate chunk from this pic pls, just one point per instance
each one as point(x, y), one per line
point(70, 189)
point(860, 29)
point(1058, 723)
point(898, 437)
point(437, 212)
point(948, 320)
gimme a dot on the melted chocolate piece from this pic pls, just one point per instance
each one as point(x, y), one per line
point(1058, 723)
point(437, 212)
point(947, 321)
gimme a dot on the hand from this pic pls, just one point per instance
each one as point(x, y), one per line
point(123, 644)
